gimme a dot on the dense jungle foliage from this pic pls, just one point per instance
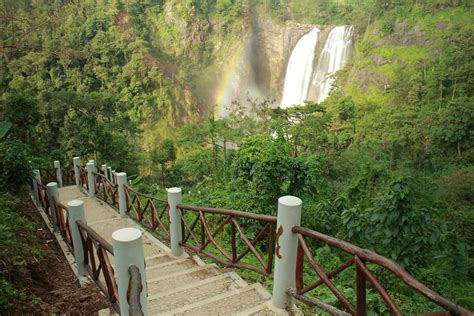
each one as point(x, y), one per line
point(386, 162)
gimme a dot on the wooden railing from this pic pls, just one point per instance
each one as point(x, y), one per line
point(212, 223)
point(69, 177)
point(44, 198)
point(359, 257)
point(62, 217)
point(98, 249)
point(48, 175)
point(134, 291)
point(150, 211)
point(83, 178)
point(105, 190)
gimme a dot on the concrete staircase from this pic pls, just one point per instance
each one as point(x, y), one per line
point(187, 286)
point(184, 285)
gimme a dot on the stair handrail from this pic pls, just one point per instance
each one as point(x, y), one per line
point(363, 274)
point(62, 217)
point(44, 199)
point(105, 189)
point(232, 259)
point(83, 183)
point(96, 246)
point(144, 209)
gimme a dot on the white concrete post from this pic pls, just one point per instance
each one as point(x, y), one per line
point(36, 177)
point(59, 178)
point(289, 215)
point(31, 184)
point(121, 181)
point(104, 169)
point(90, 178)
point(114, 177)
point(76, 211)
point(175, 198)
point(128, 250)
point(76, 161)
point(53, 193)
point(109, 173)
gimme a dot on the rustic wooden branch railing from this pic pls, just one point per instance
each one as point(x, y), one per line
point(62, 217)
point(148, 210)
point(83, 178)
point(105, 190)
point(360, 257)
point(48, 175)
point(44, 198)
point(68, 176)
point(135, 288)
point(97, 248)
point(212, 223)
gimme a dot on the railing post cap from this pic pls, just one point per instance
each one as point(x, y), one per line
point(75, 158)
point(52, 184)
point(126, 234)
point(121, 174)
point(173, 190)
point(56, 162)
point(75, 203)
point(290, 200)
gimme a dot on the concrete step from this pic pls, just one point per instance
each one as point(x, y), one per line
point(226, 303)
point(169, 267)
point(264, 309)
point(158, 259)
point(181, 278)
point(191, 293)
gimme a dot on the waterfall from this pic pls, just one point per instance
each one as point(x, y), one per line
point(299, 70)
point(334, 56)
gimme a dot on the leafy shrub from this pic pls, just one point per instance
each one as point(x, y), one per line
point(16, 243)
point(15, 170)
point(395, 226)
point(387, 27)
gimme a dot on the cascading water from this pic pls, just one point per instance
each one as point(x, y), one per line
point(335, 54)
point(299, 70)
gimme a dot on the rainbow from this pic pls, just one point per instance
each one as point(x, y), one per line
point(225, 88)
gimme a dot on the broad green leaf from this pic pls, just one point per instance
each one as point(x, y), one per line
point(4, 128)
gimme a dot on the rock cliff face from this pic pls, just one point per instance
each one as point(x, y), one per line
point(275, 43)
